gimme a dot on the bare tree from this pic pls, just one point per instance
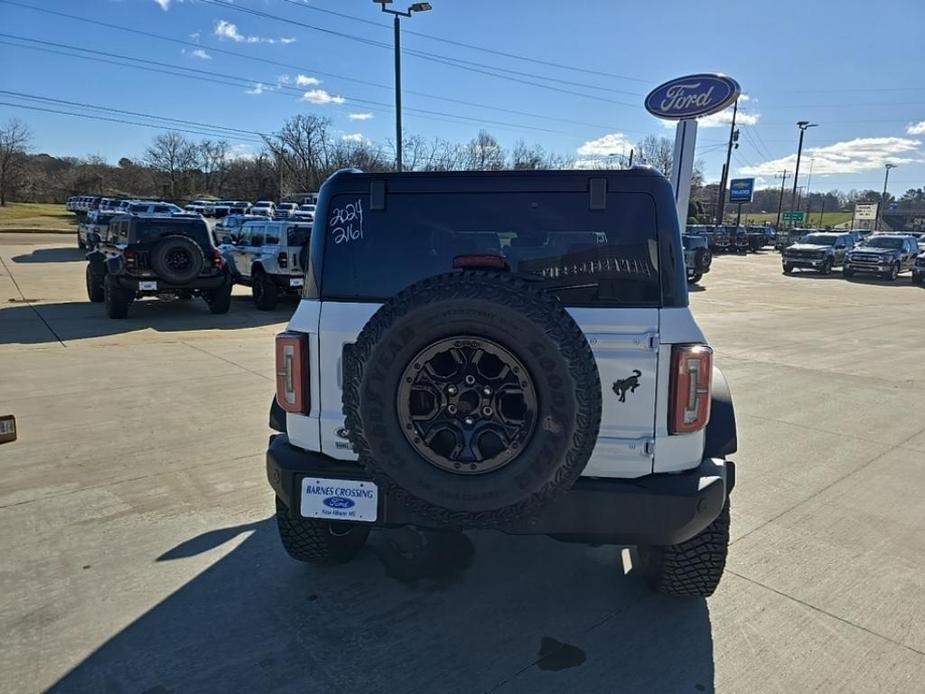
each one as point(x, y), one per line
point(656, 152)
point(174, 157)
point(213, 162)
point(524, 156)
point(483, 153)
point(14, 143)
point(303, 147)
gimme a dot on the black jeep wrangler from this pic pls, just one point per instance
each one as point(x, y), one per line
point(166, 257)
point(697, 256)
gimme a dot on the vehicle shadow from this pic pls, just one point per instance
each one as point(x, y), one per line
point(415, 611)
point(695, 287)
point(52, 255)
point(38, 323)
point(856, 279)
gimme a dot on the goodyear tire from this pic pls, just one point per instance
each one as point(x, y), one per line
point(692, 568)
point(177, 259)
point(316, 541)
point(472, 398)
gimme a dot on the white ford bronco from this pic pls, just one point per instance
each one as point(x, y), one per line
point(503, 350)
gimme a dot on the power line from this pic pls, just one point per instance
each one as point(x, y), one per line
point(237, 132)
point(474, 47)
point(248, 81)
point(291, 66)
point(96, 117)
point(490, 70)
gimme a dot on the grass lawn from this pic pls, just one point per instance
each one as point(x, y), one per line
point(29, 216)
point(829, 219)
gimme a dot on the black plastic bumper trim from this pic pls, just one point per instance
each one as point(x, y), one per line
point(657, 509)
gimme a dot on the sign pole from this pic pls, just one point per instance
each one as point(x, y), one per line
point(738, 213)
point(682, 166)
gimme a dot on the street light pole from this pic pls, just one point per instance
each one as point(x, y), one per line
point(886, 179)
point(802, 125)
point(396, 24)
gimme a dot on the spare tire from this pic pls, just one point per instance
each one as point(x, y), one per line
point(177, 259)
point(472, 398)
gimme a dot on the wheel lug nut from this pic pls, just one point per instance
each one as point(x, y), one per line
point(487, 411)
point(451, 409)
point(451, 390)
point(486, 390)
point(470, 379)
point(469, 421)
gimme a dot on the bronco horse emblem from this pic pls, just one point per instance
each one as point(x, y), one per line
point(627, 385)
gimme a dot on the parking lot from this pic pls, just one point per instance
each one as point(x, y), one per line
point(140, 551)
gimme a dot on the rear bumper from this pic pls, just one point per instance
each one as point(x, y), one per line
point(132, 283)
point(658, 509)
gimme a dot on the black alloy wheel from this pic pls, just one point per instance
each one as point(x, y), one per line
point(467, 405)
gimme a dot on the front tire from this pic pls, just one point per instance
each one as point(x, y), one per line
point(847, 272)
point(95, 290)
point(116, 299)
point(695, 277)
point(826, 267)
point(893, 273)
point(788, 269)
point(317, 541)
point(264, 291)
point(692, 568)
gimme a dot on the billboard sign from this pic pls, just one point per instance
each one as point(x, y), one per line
point(792, 216)
point(692, 96)
point(741, 190)
point(866, 212)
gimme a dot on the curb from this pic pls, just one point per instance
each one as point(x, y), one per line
point(37, 231)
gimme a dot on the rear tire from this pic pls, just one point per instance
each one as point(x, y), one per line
point(117, 300)
point(694, 278)
point(692, 568)
point(219, 300)
point(317, 541)
point(264, 291)
point(94, 286)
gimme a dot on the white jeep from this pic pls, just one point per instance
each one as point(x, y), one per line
point(503, 350)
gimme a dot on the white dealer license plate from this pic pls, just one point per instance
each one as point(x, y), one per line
point(147, 285)
point(348, 500)
point(296, 281)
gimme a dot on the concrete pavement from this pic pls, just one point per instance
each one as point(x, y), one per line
point(140, 553)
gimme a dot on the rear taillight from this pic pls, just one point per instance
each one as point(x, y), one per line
point(218, 260)
point(691, 383)
point(131, 258)
point(292, 372)
point(283, 259)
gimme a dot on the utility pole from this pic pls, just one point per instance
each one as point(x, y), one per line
point(722, 184)
point(802, 125)
point(886, 179)
point(780, 202)
point(396, 24)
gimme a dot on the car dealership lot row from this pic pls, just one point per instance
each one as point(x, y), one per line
point(139, 550)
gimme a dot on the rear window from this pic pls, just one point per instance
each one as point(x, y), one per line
point(151, 230)
point(587, 257)
point(298, 236)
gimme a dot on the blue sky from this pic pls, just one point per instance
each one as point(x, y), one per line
point(853, 67)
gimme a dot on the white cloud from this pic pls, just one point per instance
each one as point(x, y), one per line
point(165, 4)
point(320, 96)
point(916, 128)
point(612, 143)
point(194, 36)
point(259, 88)
point(240, 151)
point(229, 30)
point(715, 120)
point(847, 157)
point(353, 137)
point(306, 81)
point(201, 54)
point(360, 116)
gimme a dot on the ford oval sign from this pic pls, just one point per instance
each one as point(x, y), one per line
point(692, 96)
point(339, 502)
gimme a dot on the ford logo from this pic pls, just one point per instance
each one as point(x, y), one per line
point(339, 502)
point(692, 96)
